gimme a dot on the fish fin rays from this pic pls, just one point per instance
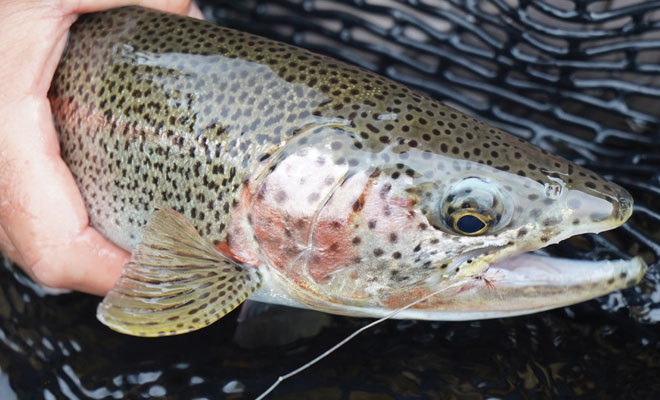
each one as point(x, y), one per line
point(175, 282)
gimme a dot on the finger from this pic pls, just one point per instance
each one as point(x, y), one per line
point(7, 247)
point(36, 58)
point(86, 6)
point(29, 58)
point(195, 12)
point(87, 263)
point(42, 210)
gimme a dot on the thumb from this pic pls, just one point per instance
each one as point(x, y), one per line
point(184, 7)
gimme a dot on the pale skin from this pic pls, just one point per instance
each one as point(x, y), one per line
point(44, 227)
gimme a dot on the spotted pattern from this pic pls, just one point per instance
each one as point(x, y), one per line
point(330, 174)
point(175, 283)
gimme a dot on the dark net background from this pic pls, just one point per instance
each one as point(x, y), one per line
point(579, 78)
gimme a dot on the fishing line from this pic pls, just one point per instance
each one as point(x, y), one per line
point(348, 338)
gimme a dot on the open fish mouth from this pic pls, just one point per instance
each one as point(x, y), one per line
point(531, 269)
point(529, 283)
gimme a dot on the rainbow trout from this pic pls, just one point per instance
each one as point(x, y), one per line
point(234, 166)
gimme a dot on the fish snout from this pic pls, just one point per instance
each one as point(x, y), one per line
point(606, 207)
point(616, 209)
point(623, 204)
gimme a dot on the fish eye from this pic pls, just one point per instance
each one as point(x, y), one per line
point(469, 222)
point(474, 206)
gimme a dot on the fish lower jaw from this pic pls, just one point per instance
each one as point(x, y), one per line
point(520, 285)
point(529, 283)
point(530, 269)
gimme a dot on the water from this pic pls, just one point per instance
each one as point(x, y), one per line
point(52, 347)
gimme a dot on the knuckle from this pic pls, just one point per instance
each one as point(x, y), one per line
point(49, 274)
point(8, 249)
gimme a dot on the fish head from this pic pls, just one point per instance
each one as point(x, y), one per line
point(452, 212)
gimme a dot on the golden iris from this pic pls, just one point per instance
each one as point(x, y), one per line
point(470, 222)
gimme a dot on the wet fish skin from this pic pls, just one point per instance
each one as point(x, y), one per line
point(342, 188)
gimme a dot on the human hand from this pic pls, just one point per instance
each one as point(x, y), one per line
point(43, 223)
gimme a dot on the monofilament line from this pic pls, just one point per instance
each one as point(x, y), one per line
point(320, 357)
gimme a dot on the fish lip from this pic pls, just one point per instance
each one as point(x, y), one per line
point(528, 283)
point(625, 204)
point(463, 268)
point(472, 254)
point(532, 269)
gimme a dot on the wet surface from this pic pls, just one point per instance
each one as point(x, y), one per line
point(53, 347)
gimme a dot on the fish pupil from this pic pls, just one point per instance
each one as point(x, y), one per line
point(470, 224)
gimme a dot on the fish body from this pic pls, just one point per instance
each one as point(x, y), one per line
point(233, 165)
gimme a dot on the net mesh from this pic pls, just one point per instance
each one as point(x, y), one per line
point(579, 78)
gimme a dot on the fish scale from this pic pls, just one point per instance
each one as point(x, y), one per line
point(342, 188)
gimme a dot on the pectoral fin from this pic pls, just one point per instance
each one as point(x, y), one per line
point(176, 282)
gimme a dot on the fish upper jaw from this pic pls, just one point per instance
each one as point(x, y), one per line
point(595, 210)
point(575, 212)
